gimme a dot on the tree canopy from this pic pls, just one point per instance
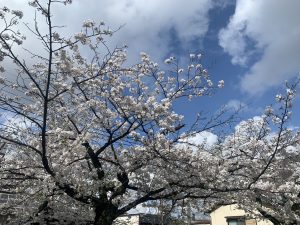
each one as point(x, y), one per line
point(85, 137)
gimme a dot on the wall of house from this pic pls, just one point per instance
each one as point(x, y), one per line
point(218, 216)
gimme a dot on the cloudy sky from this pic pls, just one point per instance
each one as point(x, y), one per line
point(253, 45)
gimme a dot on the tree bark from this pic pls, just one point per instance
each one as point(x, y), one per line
point(105, 215)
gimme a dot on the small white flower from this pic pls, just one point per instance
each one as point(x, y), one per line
point(17, 13)
point(88, 23)
point(33, 3)
point(192, 56)
point(221, 84)
point(168, 61)
point(143, 54)
point(5, 37)
point(290, 93)
point(18, 41)
point(180, 70)
point(197, 77)
point(5, 9)
point(108, 32)
point(80, 37)
point(68, 2)
point(278, 98)
point(269, 110)
point(55, 36)
point(209, 83)
point(276, 119)
point(198, 66)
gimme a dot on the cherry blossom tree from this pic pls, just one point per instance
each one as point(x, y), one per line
point(262, 162)
point(86, 139)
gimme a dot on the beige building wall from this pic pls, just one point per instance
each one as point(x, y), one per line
point(218, 216)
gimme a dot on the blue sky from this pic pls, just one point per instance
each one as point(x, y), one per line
point(233, 53)
point(253, 45)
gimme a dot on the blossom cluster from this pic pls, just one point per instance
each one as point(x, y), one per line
point(90, 129)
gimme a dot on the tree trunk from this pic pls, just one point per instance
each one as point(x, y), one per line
point(105, 215)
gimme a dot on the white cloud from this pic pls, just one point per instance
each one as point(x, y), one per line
point(268, 27)
point(205, 138)
point(235, 105)
point(147, 23)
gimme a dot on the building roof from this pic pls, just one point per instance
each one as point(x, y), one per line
point(195, 222)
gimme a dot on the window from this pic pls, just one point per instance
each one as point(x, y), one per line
point(236, 221)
